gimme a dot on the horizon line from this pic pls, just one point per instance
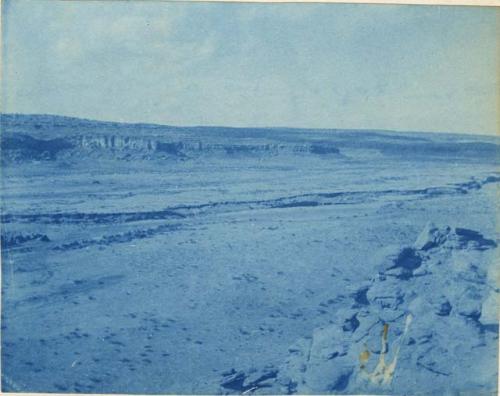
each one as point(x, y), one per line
point(401, 131)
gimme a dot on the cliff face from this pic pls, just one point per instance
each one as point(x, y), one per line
point(44, 137)
point(193, 146)
point(23, 147)
point(116, 142)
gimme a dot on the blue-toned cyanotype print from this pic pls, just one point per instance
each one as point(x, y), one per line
point(203, 198)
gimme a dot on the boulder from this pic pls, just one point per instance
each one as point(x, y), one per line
point(431, 237)
point(490, 314)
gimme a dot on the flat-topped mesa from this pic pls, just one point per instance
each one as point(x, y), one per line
point(23, 147)
point(192, 145)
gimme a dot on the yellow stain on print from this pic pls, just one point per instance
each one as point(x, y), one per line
point(383, 372)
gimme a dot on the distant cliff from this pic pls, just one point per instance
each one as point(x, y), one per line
point(47, 137)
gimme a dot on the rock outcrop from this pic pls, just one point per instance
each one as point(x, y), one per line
point(420, 323)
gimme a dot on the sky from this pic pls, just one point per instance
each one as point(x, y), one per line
point(415, 68)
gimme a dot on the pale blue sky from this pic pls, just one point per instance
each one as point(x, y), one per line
point(298, 65)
